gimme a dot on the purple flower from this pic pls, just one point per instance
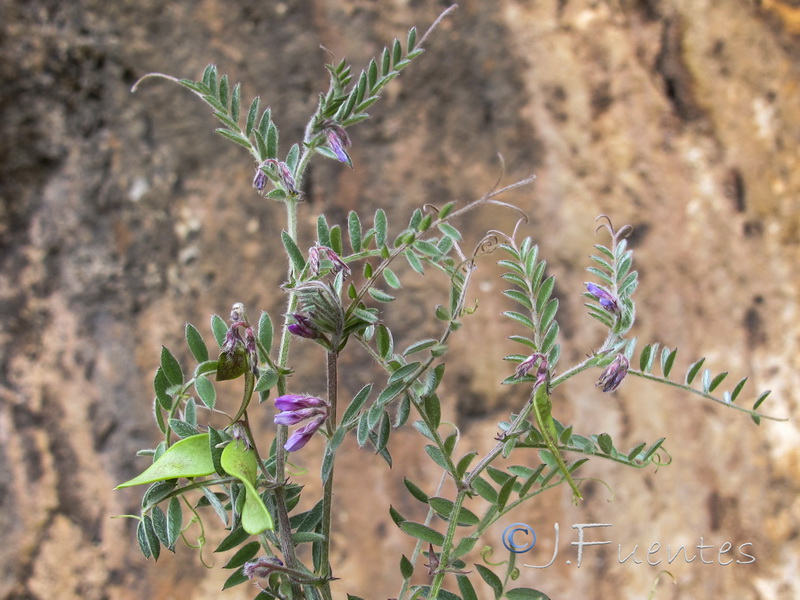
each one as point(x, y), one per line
point(301, 436)
point(526, 365)
point(293, 417)
point(303, 327)
point(296, 408)
point(614, 374)
point(606, 300)
point(339, 142)
point(298, 402)
point(261, 567)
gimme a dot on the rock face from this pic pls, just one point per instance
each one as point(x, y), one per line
point(123, 216)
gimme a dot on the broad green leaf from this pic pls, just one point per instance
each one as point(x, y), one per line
point(265, 331)
point(294, 253)
point(406, 568)
point(465, 587)
point(450, 231)
point(716, 381)
point(355, 406)
point(667, 360)
point(240, 462)
point(242, 555)
point(171, 367)
point(161, 385)
point(205, 389)
point(419, 346)
point(252, 115)
point(174, 521)
point(485, 490)
point(605, 443)
point(380, 228)
point(380, 295)
point(391, 279)
point(490, 578)
point(189, 457)
point(235, 579)
point(233, 539)
point(415, 491)
point(525, 594)
point(444, 508)
point(354, 230)
point(196, 343)
point(323, 231)
point(422, 532)
point(219, 328)
point(147, 538)
point(437, 456)
point(413, 261)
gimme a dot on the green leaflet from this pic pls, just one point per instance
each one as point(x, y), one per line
point(189, 457)
point(240, 462)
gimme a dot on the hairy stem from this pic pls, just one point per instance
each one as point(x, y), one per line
point(284, 525)
point(327, 492)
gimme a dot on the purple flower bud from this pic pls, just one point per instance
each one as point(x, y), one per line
point(526, 365)
point(314, 257)
point(261, 567)
point(605, 299)
point(260, 180)
point(300, 437)
point(239, 434)
point(542, 374)
point(284, 174)
point(287, 179)
point(250, 346)
point(338, 141)
point(614, 373)
point(317, 252)
point(298, 401)
point(338, 263)
point(303, 327)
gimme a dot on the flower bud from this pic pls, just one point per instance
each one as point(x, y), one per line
point(526, 365)
point(614, 373)
point(261, 567)
point(303, 327)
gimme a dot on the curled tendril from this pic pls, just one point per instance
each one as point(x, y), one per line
point(429, 208)
point(616, 235)
point(487, 245)
point(658, 461)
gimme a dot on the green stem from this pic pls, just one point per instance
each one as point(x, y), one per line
point(327, 492)
point(447, 547)
point(284, 525)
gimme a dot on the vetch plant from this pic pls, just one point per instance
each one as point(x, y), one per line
point(210, 470)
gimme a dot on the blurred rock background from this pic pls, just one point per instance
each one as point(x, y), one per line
point(123, 215)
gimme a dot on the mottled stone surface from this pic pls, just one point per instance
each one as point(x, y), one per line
point(123, 216)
